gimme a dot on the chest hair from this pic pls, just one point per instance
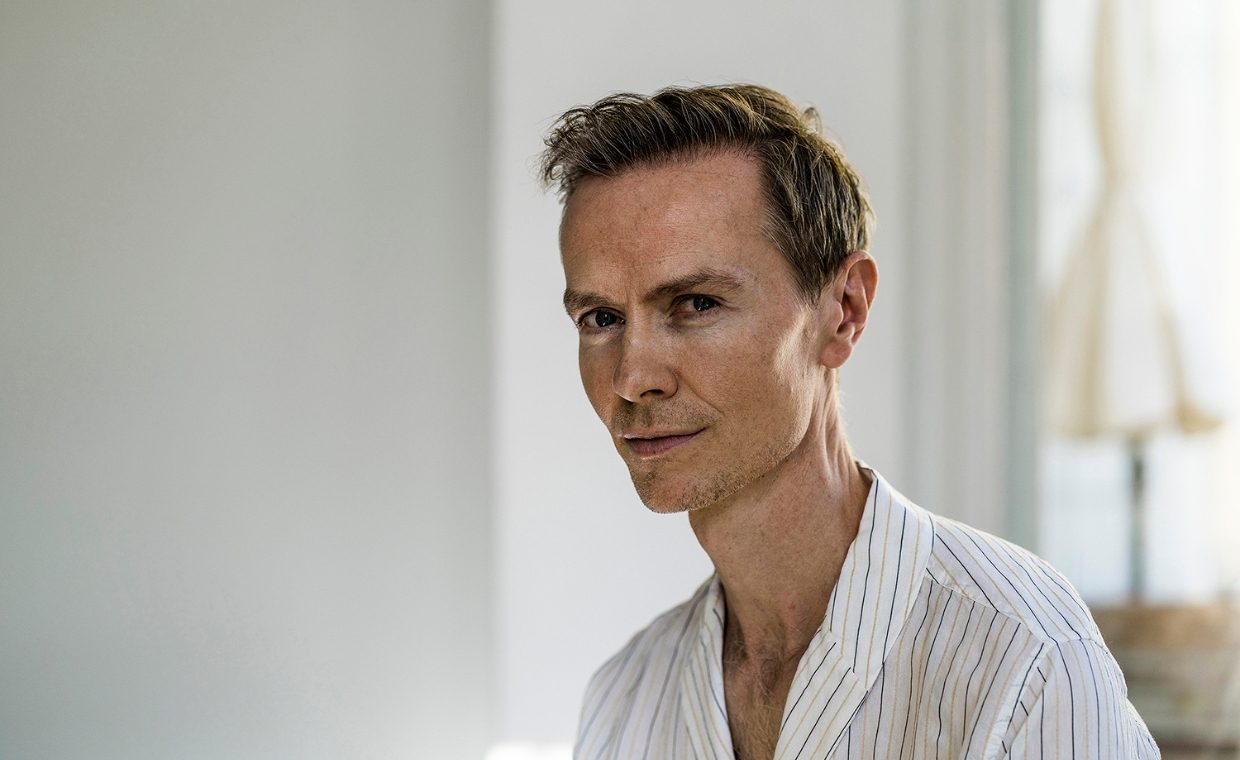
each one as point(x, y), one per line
point(755, 690)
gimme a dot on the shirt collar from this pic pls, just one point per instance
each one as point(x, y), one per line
point(880, 577)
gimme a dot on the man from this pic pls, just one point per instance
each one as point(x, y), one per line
point(714, 250)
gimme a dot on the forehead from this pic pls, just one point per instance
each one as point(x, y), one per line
point(659, 221)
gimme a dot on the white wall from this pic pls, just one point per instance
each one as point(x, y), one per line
point(244, 348)
point(581, 564)
point(252, 343)
point(967, 430)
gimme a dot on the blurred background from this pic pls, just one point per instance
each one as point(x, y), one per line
point(294, 459)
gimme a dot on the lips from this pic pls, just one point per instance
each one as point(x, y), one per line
point(655, 445)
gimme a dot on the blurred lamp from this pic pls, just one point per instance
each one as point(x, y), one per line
point(1115, 360)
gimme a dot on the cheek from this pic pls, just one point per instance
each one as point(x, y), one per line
point(770, 375)
point(595, 379)
point(774, 358)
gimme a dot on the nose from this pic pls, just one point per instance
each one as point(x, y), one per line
point(643, 372)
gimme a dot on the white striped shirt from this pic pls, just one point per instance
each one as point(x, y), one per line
point(939, 641)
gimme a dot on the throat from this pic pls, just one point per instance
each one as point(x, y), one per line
point(760, 661)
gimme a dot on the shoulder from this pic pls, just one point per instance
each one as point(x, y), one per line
point(1066, 691)
point(651, 652)
point(1074, 702)
point(1010, 580)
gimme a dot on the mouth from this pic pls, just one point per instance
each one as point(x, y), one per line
point(656, 445)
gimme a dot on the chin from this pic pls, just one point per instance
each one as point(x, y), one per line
point(665, 495)
point(659, 494)
point(661, 507)
point(657, 499)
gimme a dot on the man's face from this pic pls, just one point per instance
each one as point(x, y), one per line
point(696, 349)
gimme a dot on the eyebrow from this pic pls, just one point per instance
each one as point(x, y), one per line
point(714, 278)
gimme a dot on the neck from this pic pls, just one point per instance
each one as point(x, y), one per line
point(779, 544)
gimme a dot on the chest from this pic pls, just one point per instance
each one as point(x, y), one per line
point(755, 697)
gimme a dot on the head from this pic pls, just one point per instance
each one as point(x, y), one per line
point(714, 250)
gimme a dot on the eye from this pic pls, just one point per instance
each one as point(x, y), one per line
point(703, 303)
point(698, 303)
point(599, 319)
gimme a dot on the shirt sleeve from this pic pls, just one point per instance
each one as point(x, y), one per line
point(1074, 703)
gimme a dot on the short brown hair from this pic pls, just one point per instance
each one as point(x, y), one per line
point(818, 212)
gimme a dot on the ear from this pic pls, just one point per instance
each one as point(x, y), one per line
point(845, 305)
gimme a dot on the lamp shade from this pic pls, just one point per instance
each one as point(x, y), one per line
point(1115, 360)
